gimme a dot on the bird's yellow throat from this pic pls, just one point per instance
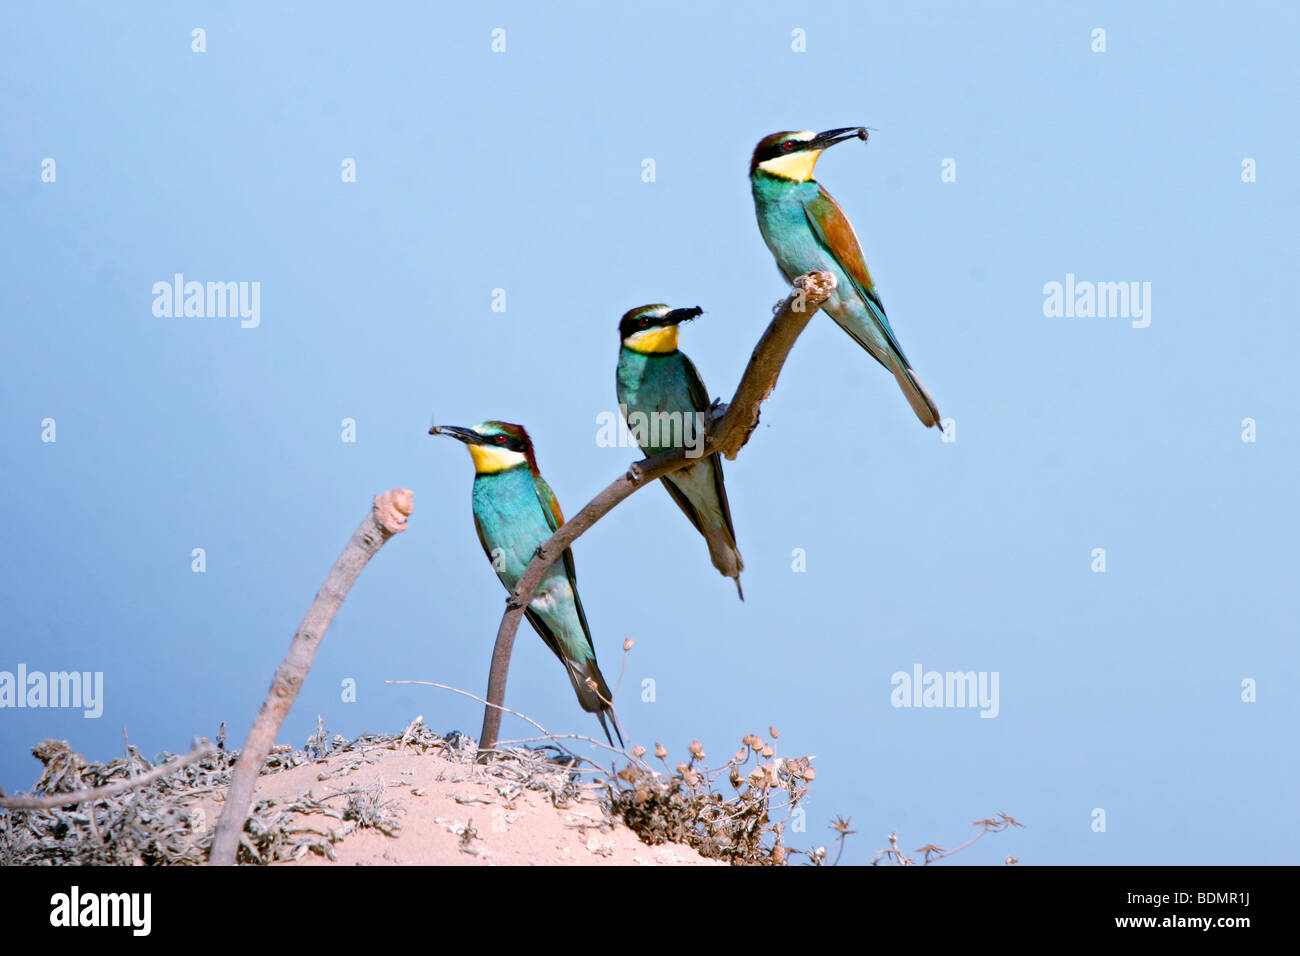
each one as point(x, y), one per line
point(653, 340)
point(797, 166)
point(489, 460)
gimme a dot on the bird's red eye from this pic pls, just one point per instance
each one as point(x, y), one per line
point(788, 145)
point(500, 439)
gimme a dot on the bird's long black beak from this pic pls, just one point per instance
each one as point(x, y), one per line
point(467, 435)
point(678, 316)
point(833, 136)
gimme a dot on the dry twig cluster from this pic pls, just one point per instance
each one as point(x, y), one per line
point(685, 805)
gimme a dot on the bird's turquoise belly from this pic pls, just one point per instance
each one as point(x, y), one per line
point(795, 247)
point(513, 524)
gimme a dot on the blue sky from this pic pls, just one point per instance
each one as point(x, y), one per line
point(522, 170)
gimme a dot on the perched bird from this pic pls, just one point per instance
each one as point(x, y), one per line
point(515, 511)
point(664, 401)
point(806, 230)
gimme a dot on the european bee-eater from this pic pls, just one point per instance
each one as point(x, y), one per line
point(515, 511)
point(806, 230)
point(664, 400)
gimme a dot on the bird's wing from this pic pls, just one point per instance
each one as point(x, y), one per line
point(554, 519)
point(547, 635)
point(722, 495)
point(700, 399)
point(714, 464)
point(478, 526)
point(834, 231)
point(683, 502)
point(695, 385)
point(550, 504)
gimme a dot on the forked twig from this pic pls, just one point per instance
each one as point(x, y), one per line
point(727, 432)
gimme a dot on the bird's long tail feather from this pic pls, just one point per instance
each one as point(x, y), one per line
point(915, 392)
point(724, 553)
point(596, 700)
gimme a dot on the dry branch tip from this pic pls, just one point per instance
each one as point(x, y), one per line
point(392, 509)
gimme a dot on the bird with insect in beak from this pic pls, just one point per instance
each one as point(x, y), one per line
point(661, 392)
point(515, 512)
point(806, 230)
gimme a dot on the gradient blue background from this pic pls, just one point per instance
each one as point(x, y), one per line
point(523, 171)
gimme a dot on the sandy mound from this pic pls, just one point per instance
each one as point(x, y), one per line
point(453, 813)
point(409, 798)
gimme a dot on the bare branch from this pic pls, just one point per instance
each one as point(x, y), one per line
point(54, 801)
point(385, 519)
point(727, 433)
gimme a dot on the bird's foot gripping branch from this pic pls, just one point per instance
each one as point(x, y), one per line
point(727, 432)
